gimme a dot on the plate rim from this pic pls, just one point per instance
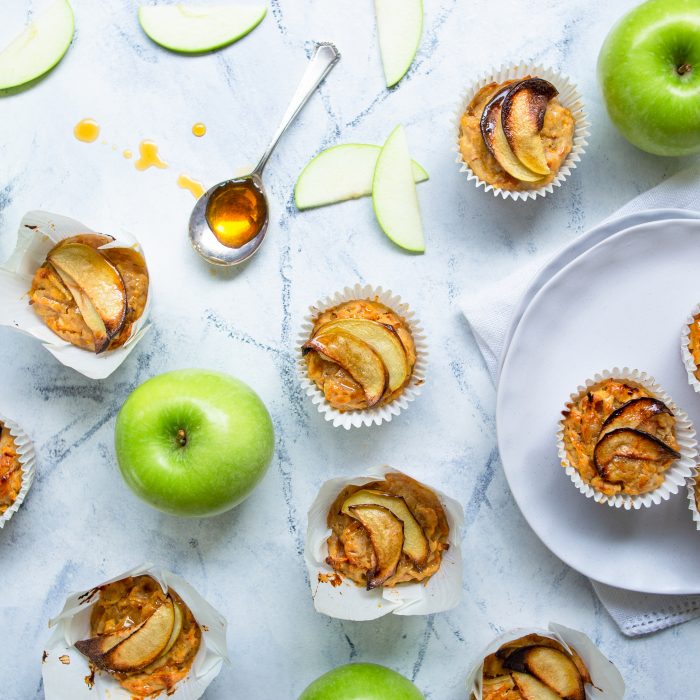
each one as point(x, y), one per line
point(694, 223)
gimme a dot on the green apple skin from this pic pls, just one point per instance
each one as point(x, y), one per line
point(362, 682)
point(193, 442)
point(649, 71)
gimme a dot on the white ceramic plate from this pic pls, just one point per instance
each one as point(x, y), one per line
point(621, 303)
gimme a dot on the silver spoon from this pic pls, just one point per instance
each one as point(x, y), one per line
point(215, 201)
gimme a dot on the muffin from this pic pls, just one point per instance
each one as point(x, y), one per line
point(387, 532)
point(361, 354)
point(620, 437)
point(515, 135)
point(89, 295)
point(534, 667)
point(11, 473)
point(145, 638)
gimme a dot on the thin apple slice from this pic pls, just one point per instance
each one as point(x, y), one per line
point(97, 278)
point(190, 29)
point(382, 339)
point(145, 646)
point(532, 689)
point(554, 668)
point(497, 143)
point(177, 628)
point(399, 26)
point(646, 414)
point(96, 647)
point(357, 358)
point(340, 173)
point(90, 315)
point(385, 532)
point(415, 543)
point(394, 194)
point(41, 45)
point(522, 116)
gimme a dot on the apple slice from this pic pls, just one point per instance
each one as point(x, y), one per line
point(189, 29)
point(385, 532)
point(497, 143)
point(340, 173)
point(399, 25)
point(522, 116)
point(532, 689)
point(394, 194)
point(144, 646)
point(357, 358)
point(41, 45)
point(96, 647)
point(177, 628)
point(554, 668)
point(98, 279)
point(382, 339)
point(415, 543)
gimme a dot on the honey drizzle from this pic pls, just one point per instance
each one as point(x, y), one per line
point(148, 157)
point(86, 130)
point(236, 212)
point(199, 129)
point(187, 183)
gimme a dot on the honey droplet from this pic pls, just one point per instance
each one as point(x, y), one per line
point(86, 130)
point(236, 212)
point(127, 154)
point(199, 129)
point(148, 157)
point(187, 183)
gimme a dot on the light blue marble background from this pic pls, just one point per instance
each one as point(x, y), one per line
point(80, 524)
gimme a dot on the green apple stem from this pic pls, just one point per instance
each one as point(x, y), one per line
point(181, 437)
point(685, 68)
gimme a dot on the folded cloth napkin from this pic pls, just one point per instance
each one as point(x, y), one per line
point(490, 313)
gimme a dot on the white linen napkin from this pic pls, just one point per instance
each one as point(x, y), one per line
point(489, 312)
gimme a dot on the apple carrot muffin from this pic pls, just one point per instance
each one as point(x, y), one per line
point(515, 135)
point(694, 343)
point(361, 354)
point(10, 469)
point(88, 295)
point(387, 532)
point(144, 637)
point(534, 667)
point(620, 438)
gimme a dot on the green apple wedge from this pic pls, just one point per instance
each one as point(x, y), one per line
point(41, 45)
point(394, 194)
point(399, 26)
point(340, 173)
point(190, 29)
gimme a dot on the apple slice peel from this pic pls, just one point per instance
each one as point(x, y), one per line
point(399, 26)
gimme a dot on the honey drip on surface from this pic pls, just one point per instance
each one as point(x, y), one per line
point(187, 183)
point(148, 157)
point(86, 130)
point(199, 129)
point(127, 153)
point(236, 212)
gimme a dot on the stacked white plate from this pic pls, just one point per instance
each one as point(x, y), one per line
point(607, 300)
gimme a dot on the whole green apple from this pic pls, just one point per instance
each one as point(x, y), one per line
point(362, 682)
point(649, 70)
point(193, 442)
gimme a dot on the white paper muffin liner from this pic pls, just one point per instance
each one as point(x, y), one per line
point(27, 458)
point(569, 98)
point(38, 232)
point(64, 668)
point(692, 500)
point(343, 599)
point(686, 355)
point(675, 477)
point(607, 681)
point(377, 414)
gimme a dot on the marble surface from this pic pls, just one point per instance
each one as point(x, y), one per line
point(80, 524)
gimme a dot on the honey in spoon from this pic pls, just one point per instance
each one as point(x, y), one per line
point(236, 212)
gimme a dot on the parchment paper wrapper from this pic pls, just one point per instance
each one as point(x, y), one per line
point(568, 96)
point(27, 458)
point(66, 679)
point(607, 681)
point(38, 232)
point(376, 415)
point(686, 355)
point(675, 477)
point(348, 601)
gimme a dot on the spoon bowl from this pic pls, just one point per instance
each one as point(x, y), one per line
point(209, 240)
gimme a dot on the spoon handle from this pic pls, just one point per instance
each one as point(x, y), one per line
point(324, 57)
